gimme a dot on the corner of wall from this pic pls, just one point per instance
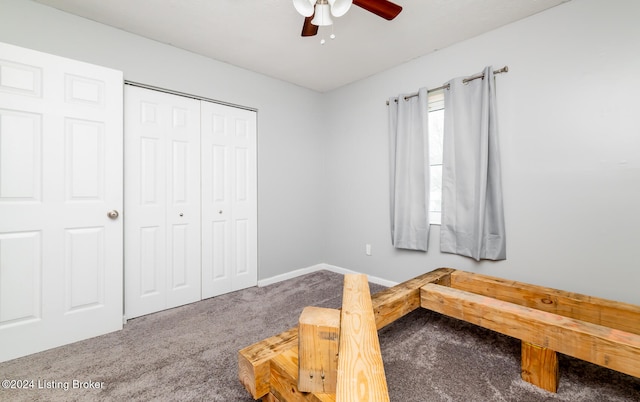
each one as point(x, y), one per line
point(320, 267)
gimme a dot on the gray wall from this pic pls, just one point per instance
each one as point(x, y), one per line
point(569, 125)
point(289, 164)
point(570, 140)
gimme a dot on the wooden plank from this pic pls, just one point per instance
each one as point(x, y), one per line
point(612, 314)
point(360, 368)
point(254, 361)
point(389, 305)
point(540, 366)
point(395, 302)
point(608, 347)
point(318, 340)
point(284, 378)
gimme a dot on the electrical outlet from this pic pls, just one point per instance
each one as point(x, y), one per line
point(367, 249)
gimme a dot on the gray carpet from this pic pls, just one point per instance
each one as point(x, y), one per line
point(190, 354)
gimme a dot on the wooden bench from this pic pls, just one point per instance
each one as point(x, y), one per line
point(546, 320)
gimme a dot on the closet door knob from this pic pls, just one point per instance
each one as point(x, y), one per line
point(113, 214)
point(181, 214)
point(220, 211)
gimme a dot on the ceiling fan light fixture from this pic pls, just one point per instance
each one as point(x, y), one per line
point(304, 7)
point(321, 11)
point(339, 7)
point(323, 14)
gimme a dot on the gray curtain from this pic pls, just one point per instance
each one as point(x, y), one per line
point(409, 171)
point(472, 210)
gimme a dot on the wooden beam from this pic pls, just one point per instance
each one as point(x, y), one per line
point(254, 361)
point(608, 347)
point(389, 305)
point(360, 369)
point(395, 302)
point(612, 314)
point(318, 340)
point(283, 380)
point(540, 366)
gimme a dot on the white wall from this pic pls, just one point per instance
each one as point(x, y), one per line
point(289, 164)
point(569, 122)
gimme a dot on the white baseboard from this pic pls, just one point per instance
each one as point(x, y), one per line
point(290, 275)
point(372, 279)
point(320, 267)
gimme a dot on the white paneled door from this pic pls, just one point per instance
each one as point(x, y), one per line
point(229, 199)
point(162, 200)
point(60, 199)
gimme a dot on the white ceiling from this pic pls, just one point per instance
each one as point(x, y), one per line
point(264, 35)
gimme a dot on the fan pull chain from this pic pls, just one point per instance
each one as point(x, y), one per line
point(332, 36)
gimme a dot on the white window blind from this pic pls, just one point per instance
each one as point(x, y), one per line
point(436, 128)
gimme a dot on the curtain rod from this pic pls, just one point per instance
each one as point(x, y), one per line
point(504, 69)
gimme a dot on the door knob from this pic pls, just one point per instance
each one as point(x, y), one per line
point(113, 214)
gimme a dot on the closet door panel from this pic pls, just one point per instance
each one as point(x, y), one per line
point(245, 199)
point(229, 199)
point(183, 202)
point(162, 201)
point(144, 209)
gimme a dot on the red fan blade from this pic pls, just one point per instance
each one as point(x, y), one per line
point(382, 8)
point(308, 29)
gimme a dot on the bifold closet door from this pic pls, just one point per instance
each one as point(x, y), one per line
point(229, 199)
point(162, 201)
point(60, 201)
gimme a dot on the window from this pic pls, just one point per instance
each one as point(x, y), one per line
point(436, 129)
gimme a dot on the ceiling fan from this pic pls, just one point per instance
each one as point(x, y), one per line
point(318, 12)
